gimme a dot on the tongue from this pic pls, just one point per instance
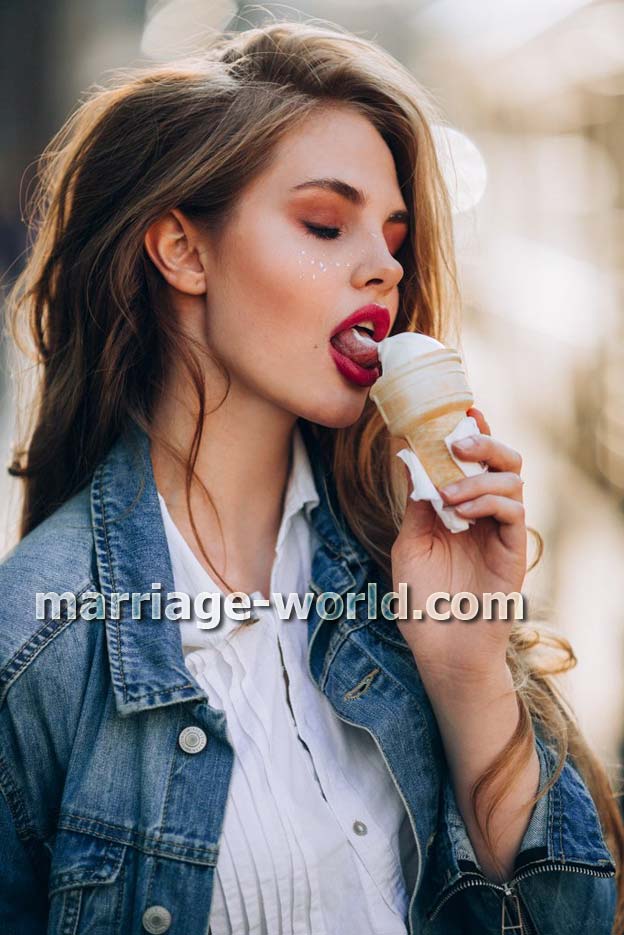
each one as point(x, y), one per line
point(358, 347)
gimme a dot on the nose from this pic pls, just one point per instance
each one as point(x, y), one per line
point(377, 266)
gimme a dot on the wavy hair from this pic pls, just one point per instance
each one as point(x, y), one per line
point(89, 306)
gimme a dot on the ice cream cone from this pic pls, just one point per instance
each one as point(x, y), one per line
point(422, 401)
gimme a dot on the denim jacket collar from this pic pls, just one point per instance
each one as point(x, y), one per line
point(145, 655)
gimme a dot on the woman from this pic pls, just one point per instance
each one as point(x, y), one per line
point(205, 228)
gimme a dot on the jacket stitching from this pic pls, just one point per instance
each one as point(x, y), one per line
point(121, 884)
point(163, 815)
point(554, 833)
point(169, 691)
point(36, 643)
point(377, 629)
point(16, 805)
point(558, 805)
point(120, 664)
point(72, 900)
point(336, 641)
point(142, 842)
point(362, 686)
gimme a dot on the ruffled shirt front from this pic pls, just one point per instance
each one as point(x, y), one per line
point(316, 839)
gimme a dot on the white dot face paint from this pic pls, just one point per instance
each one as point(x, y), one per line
point(323, 265)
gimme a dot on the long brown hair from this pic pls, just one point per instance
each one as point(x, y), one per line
point(191, 135)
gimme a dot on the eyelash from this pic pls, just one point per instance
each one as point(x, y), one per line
point(323, 233)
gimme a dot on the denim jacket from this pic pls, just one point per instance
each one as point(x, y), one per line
point(111, 809)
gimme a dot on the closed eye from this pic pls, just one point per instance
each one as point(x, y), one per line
point(325, 233)
point(332, 233)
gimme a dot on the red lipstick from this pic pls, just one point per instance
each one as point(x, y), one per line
point(377, 314)
point(353, 348)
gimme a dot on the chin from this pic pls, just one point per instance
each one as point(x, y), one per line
point(337, 413)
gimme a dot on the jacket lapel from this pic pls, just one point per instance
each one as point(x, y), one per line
point(145, 654)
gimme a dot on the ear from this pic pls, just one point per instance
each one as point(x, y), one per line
point(172, 245)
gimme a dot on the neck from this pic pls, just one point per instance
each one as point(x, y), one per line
point(243, 460)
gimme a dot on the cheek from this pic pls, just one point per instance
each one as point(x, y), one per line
point(318, 265)
point(290, 284)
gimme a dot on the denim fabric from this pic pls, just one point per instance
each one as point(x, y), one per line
point(108, 825)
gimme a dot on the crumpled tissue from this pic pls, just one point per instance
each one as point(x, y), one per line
point(424, 489)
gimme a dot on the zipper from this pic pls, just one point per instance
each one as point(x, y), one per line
point(525, 922)
point(508, 888)
point(398, 788)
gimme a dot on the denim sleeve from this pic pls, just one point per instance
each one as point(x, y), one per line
point(23, 895)
point(563, 877)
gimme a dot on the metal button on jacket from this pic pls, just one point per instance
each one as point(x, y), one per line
point(192, 739)
point(156, 920)
point(359, 827)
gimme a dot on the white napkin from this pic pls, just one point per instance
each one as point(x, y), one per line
point(424, 488)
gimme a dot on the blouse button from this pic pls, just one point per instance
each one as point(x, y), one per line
point(359, 827)
point(192, 740)
point(156, 920)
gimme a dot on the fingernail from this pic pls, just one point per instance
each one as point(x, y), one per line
point(449, 491)
point(465, 443)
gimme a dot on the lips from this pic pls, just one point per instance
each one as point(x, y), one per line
point(353, 338)
point(378, 315)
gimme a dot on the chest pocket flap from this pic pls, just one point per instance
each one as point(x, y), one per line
point(81, 859)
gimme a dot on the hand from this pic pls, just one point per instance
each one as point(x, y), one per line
point(490, 556)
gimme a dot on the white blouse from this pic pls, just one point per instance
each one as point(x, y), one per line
point(315, 838)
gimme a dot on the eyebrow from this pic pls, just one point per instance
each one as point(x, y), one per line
point(355, 195)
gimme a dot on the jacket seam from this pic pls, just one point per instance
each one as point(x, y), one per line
point(163, 815)
point(558, 803)
point(147, 844)
point(555, 818)
point(29, 650)
point(168, 691)
point(111, 572)
point(16, 805)
point(376, 627)
point(338, 638)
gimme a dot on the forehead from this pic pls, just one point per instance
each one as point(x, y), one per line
point(334, 142)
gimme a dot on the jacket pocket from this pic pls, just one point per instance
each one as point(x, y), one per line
point(86, 885)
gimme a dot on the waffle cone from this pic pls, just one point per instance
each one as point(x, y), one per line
point(426, 440)
point(422, 402)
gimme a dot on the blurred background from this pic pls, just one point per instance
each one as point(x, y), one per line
point(534, 93)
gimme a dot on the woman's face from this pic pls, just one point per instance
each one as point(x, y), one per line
point(294, 261)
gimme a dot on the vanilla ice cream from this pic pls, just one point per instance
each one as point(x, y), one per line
point(401, 348)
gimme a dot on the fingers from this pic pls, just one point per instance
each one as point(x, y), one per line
point(501, 484)
point(484, 448)
point(500, 508)
point(480, 420)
